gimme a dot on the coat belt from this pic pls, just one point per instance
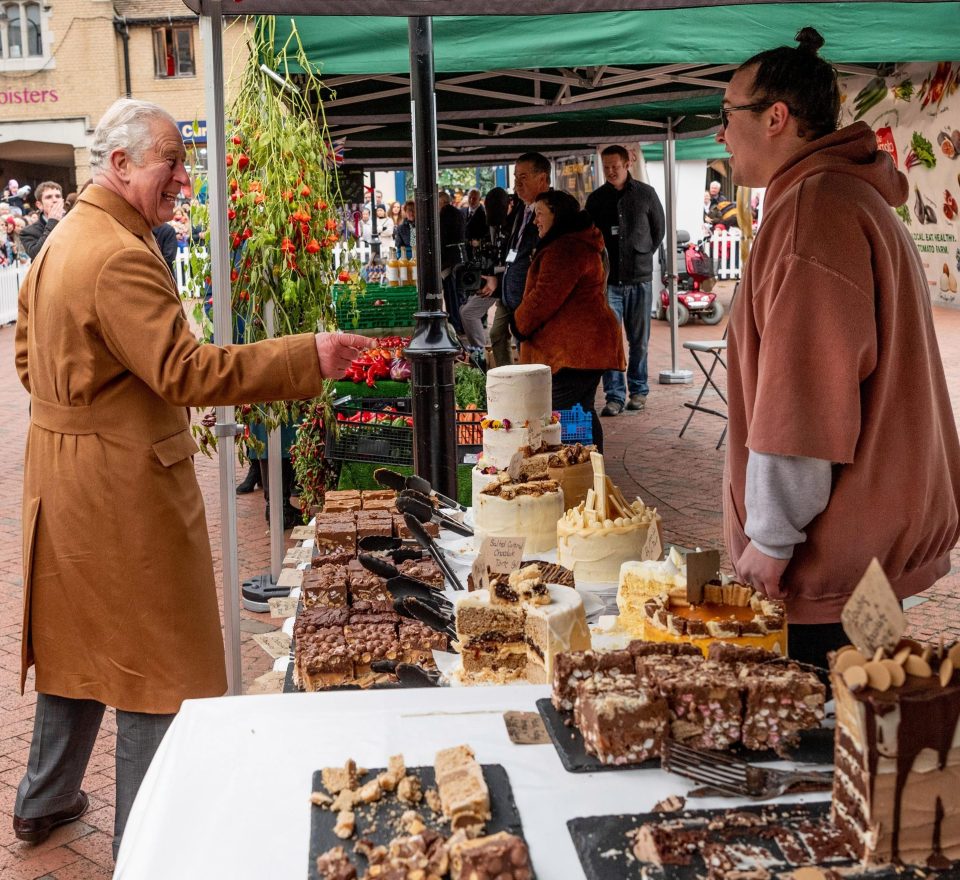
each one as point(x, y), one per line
point(63, 419)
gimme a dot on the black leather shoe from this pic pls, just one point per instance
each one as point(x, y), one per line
point(613, 408)
point(38, 830)
point(292, 516)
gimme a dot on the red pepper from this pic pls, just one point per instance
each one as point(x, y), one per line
point(312, 246)
point(243, 161)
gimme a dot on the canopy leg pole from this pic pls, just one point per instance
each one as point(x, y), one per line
point(211, 35)
point(673, 376)
point(432, 350)
point(274, 464)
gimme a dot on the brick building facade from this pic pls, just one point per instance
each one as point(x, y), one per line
point(63, 62)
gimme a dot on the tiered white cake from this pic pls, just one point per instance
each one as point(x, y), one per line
point(520, 421)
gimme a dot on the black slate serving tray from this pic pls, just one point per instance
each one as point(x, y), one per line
point(816, 746)
point(604, 847)
point(375, 823)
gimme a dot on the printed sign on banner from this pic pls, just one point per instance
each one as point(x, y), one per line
point(913, 110)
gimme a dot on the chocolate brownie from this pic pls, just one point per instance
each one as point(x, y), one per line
point(778, 703)
point(367, 642)
point(322, 659)
point(500, 856)
point(312, 619)
point(334, 536)
point(704, 703)
point(425, 570)
point(418, 642)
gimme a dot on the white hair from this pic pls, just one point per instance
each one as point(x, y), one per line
point(125, 126)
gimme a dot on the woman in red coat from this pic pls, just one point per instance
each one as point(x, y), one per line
point(564, 320)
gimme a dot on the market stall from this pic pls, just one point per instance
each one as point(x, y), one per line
point(253, 760)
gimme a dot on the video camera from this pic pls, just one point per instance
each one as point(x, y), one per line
point(479, 260)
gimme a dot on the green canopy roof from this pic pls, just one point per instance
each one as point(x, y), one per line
point(565, 84)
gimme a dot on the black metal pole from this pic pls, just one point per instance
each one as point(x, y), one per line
point(374, 234)
point(431, 351)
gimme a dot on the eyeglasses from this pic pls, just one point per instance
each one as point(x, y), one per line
point(725, 111)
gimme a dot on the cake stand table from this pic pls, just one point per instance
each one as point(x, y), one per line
point(227, 794)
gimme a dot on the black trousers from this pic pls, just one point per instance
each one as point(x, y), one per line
point(572, 386)
point(811, 642)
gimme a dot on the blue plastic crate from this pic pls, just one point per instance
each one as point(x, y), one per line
point(576, 426)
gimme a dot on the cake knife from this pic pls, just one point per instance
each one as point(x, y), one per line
point(421, 485)
point(417, 530)
point(428, 513)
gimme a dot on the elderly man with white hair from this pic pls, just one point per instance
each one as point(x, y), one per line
point(120, 603)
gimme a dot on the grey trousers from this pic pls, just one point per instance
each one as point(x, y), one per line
point(472, 313)
point(64, 732)
point(500, 336)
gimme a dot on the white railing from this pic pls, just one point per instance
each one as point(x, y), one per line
point(724, 249)
point(341, 251)
point(11, 278)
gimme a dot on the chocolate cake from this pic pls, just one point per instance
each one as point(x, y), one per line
point(896, 792)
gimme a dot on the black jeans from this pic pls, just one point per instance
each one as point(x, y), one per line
point(572, 386)
point(811, 642)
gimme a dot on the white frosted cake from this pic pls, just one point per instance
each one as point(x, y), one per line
point(597, 536)
point(515, 630)
point(519, 427)
point(507, 509)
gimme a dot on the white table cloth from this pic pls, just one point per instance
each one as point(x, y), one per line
point(227, 795)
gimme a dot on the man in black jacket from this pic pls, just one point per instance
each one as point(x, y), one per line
point(630, 216)
point(50, 204)
point(451, 238)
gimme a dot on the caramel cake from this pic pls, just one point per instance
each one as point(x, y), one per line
point(597, 536)
point(731, 612)
point(896, 790)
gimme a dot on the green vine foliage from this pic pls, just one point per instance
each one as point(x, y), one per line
point(282, 218)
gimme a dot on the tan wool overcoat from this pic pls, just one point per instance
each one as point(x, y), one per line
point(120, 604)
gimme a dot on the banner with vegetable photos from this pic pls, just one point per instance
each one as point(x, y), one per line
point(915, 111)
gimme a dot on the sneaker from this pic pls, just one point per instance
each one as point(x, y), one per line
point(613, 408)
point(637, 401)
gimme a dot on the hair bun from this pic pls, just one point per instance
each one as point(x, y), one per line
point(809, 39)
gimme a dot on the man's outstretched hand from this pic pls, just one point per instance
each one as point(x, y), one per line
point(762, 572)
point(337, 350)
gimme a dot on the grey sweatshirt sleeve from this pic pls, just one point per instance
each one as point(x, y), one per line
point(783, 494)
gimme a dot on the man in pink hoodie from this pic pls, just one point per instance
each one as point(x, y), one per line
point(842, 442)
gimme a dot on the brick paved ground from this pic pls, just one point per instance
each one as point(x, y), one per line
point(644, 455)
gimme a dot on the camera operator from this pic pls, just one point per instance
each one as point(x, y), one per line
point(451, 244)
point(483, 263)
point(531, 177)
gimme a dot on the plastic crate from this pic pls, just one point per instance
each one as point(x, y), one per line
point(370, 437)
point(379, 307)
point(576, 426)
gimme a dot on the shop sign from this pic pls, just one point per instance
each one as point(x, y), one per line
point(28, 96)
point(193, 131)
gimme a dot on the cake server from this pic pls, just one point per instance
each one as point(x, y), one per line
point(440, 621)
point(427, 513)
point(428, 544)
point(390, 479)
point(408, 674)
point(726, 776)
point(402, 585)
point(421, 485)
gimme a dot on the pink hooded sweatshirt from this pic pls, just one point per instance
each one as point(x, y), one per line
point(832, 355)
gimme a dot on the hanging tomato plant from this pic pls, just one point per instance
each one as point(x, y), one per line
point(283, 200)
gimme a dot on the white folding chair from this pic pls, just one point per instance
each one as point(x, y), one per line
point(714, 349)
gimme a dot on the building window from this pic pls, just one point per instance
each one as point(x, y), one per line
point(20, 31)
point(173, 52)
